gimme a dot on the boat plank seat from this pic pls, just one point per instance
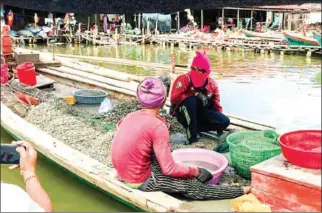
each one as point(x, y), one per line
point(287, 187)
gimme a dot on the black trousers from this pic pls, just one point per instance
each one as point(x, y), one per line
point(195, 118)
point(189, 188)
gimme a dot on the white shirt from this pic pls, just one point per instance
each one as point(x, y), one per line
point(15, 199)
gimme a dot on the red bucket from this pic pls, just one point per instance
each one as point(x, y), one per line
point(4, 72)
point(302, 148)
point(27, 74)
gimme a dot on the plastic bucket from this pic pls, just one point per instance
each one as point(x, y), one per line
point(27, 74)
point(207, 156)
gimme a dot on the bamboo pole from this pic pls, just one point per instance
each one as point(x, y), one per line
point(132, 86)
point(96, 69)
point(87, 81)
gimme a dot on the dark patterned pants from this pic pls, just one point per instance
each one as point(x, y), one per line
point(189, 188)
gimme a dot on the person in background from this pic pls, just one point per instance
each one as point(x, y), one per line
point(35, 199)
point(195, 100)
point(142, 157)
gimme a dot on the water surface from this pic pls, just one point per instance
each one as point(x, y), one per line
point(282, 91)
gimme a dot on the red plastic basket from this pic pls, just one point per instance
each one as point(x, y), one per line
point(302, 148)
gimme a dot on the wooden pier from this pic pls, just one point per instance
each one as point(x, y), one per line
point(258, 45)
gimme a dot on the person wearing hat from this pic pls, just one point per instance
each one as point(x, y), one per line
point(195, 100)
point(142, 157)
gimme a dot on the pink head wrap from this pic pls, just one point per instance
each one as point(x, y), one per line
point(200, 69)
point(151, 93)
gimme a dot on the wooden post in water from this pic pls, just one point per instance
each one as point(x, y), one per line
point(178, 21)
point(201, 19)
point(251, 19)
point(237, 18)
point(266, 20)
point(116, 35)
point(80, 31)
point(283, 20)
point(222, 18)
point(156, 24)
point(88, 22)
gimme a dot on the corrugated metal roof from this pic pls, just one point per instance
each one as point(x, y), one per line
point(140, 6)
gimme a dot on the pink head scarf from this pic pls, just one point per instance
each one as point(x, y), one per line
point(151, 93)
point(200, 69)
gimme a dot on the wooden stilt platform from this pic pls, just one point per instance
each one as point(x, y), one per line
point(255, 44)
point(287, 187)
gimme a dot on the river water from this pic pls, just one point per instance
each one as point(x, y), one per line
point(283, 91)
point(67, 194)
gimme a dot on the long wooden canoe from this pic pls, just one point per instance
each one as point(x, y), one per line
point(299, 40)
point(268, 36)
point(95, 173)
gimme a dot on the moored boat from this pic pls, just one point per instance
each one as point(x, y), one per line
point(262, 35)
point(92, 171)
point(299, 40)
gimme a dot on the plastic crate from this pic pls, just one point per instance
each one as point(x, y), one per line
point(249, 148)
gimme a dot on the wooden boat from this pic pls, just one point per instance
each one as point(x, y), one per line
point(262, 35)
point(299, 40)
point(91, 171)
point(317, 36)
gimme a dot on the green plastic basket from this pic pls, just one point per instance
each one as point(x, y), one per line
point(248, 148)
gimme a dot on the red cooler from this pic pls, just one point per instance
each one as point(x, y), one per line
point(4, 72)
point(6, 44)
point(27, 74)
point(5, 30)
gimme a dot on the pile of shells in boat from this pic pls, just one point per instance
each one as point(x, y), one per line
point(122, 109)
point(54, 118)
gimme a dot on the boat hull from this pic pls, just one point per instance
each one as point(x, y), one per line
point(296, 40)
point(317, 36)
point(251, 34)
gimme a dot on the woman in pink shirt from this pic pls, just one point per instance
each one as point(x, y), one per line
point(142, 157)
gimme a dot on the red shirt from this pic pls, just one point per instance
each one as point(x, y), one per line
point(182, 88)
point(137, 136)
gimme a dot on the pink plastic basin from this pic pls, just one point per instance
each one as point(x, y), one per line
point(203, 155)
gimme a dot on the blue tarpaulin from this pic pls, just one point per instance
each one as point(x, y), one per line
point(139, 6)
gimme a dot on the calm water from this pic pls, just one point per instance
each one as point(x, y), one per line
point(282, 91)
point(67, 194)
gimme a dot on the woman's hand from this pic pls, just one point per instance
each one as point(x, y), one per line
point(28, 158)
